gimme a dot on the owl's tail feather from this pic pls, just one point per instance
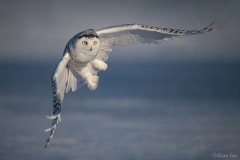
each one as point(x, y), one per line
point(56, 119)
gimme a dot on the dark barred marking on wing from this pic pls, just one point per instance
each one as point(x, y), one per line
point(176, 31)
point(56, 116)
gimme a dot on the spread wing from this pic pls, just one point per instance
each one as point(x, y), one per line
point(130, 34)
point(138, 33)
point(59, 81)
point(64, 79)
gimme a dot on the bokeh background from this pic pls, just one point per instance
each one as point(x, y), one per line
point(177, 100)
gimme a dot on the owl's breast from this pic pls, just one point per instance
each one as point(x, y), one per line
point(77, 65)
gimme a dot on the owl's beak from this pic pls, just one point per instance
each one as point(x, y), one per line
point(90, 49)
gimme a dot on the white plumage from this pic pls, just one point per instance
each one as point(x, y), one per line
point(85, 54)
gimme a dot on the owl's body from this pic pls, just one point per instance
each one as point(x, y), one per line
point(85, 54)
point(83, 49)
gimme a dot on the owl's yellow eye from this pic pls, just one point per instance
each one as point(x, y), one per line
point(95, 42)
point(84, 43)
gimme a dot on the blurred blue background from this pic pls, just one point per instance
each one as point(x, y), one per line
point(176, 100)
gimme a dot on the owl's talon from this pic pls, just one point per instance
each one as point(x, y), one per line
point(93, 82)
point(99, 65)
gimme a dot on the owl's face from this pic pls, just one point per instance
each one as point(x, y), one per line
point(86, 47)
point(88, 44)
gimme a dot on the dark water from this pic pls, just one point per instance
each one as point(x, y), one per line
point(142, 111)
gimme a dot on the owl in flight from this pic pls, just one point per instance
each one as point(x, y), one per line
point(85, 54)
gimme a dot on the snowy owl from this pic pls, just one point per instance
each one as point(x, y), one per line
point(86, 52)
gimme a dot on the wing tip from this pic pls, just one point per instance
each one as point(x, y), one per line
point(55, 120)
point(208, 28)
point(47, 143)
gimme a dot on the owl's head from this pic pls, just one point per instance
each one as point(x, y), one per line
point(86, 45)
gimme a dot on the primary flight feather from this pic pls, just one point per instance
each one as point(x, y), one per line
point(86, 52)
